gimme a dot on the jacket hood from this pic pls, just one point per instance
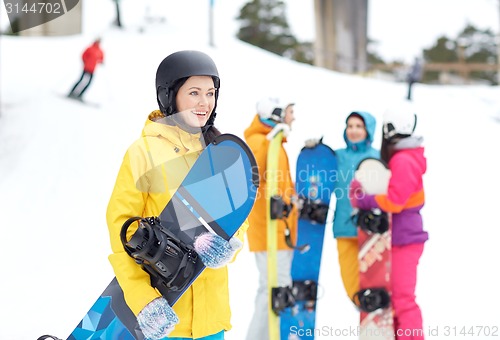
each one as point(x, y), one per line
point(258, 127)
point(411, 142)
point(370, 124)
point(157, 125)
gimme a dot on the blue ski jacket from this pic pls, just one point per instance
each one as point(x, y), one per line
point(348, 160)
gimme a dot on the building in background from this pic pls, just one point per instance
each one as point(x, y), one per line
point(58, 18)
point(341, 35)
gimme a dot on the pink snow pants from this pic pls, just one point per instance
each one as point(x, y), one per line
point(407, 315)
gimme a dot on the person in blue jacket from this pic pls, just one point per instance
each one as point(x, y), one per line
point(358, 135)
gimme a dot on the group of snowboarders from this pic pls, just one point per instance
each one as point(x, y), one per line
point(404, 154)
point(187, 89)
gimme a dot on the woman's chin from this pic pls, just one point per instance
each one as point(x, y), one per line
point(197, 123)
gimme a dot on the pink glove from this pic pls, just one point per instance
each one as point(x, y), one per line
point(356, 192)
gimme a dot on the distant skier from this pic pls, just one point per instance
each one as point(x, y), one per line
point(92, 56)
point(414, 76)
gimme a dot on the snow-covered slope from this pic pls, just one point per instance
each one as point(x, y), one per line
point(59, 159)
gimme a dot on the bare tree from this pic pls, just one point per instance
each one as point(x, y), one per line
point(118, 21)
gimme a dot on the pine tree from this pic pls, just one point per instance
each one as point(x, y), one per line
point(264, 24)
point(478, 47)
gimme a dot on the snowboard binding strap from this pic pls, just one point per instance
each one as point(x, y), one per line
point(169, 261)
point(313, 210)
point(373, 221)
point(282, 297)
point(370, 299)
point(305, 290)
point(280, 210)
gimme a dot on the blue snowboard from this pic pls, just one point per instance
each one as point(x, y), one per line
point(315, 184)
point(217, 193)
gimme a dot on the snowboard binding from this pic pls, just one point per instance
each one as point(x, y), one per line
point(373, 221)
point(282, 297)
point(371, 299)
point(313, 210)
point(305, 290)
point(169, 261)
point(280, 210)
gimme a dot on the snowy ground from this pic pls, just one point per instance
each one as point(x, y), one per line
point(59, 159)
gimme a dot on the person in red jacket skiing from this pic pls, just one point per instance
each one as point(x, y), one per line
point(92, 56)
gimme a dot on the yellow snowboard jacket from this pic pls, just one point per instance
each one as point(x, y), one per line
point(152, 169)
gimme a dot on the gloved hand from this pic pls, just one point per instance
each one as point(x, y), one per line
point(367, 202)
point(157, 319)
point(279, 127)
point(214, 251)
point(312, 142)
point(359, 199)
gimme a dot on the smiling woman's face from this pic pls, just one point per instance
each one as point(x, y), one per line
point(195, 100)
point(356, 131)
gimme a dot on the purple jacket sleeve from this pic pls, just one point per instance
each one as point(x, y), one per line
point(367, 202)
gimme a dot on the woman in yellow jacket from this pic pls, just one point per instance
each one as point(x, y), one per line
point(270, 119)
point(187, 86)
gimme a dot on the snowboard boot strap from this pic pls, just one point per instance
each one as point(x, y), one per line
point(282, 297)
point(373, 221)
point(169, 261)
point(371, 299)
point(313, 210)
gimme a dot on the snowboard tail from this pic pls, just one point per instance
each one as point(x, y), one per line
point(109, 318)
point(216, 196)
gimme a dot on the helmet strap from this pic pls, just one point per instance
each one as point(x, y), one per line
point(162, 99)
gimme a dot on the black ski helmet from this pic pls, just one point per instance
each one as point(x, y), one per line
point(178, 66)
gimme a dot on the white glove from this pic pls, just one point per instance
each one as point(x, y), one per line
point(311, 142)
point(214, 251)
point(279, 127)
point(157, 319)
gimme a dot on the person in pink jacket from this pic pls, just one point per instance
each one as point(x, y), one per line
point(92, 56)
point(405, 198)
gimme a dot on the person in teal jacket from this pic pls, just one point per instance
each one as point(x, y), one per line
point(358, 135)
